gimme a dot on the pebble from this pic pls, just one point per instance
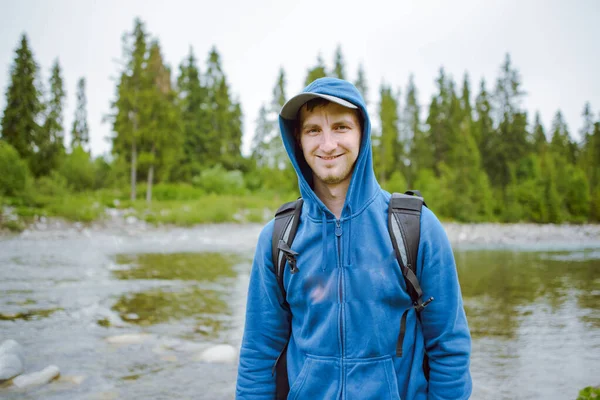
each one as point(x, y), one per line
point(129, 338)
point(219, 354)
point(37, 378)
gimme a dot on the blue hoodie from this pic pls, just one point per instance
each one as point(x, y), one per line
point(349, 295)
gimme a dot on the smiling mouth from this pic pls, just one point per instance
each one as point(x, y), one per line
point(329, 157)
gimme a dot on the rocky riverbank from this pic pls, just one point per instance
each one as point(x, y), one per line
point(483, 235)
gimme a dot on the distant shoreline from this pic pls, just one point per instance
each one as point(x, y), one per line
point(519, 236)
point(524, 236)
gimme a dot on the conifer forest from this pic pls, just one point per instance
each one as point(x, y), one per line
point(473, 151)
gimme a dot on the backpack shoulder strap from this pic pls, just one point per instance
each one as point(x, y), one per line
point(404, 223)
point(287, 218)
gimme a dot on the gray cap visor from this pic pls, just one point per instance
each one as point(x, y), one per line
point(293, 105)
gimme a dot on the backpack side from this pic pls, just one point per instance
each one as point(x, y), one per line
point(404, 225)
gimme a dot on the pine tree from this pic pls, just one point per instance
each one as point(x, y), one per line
point(194, 109)
point(20, 120)
point(417, 148)
point(218, 103)
point(338, 64)
point(127, 106)
point(80, 134)
point(51, 146)
point(571, 181)
point(540, 142)
point(316, 72)
point(560, 142)
point(484, 133)
point(587, 129)
point(224, 135)
point(470, 198)
point(361, 83)
point(589, 158)
point(160, 130)
point(512, 143)
point(440, 133)
point(389, 152)
point(465, 100)
point(421, 155)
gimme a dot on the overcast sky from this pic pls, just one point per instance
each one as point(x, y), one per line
point(554, 44)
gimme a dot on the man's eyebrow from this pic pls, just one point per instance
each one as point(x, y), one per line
point(309, 125)
point(344, 120)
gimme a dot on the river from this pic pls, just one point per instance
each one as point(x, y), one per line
point(69, 296)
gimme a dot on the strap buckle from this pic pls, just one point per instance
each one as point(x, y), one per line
point(419, 305)
point(289, 254)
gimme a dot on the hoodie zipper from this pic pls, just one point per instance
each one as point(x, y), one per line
point(338, 234)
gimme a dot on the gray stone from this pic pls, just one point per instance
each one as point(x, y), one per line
point(37, 378)
point(219, 354)
point(11, 347)
point(12, 361)
point(11, 365)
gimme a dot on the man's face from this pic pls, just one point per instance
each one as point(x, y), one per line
point(330, 141)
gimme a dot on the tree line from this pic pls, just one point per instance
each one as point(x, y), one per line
point(474, 156)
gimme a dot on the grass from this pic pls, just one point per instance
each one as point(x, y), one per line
point(208, 209)
point(180, 210)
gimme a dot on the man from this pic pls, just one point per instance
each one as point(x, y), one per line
point(343, 306)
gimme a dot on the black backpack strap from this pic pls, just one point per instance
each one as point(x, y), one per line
point(404, 223)
point(284, 232)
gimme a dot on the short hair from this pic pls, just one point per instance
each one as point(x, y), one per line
point(321, 102)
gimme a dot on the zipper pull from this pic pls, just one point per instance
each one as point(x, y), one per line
point(338, 228)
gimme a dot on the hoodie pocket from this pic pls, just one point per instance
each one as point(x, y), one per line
point(372, 379)
point(318, 379)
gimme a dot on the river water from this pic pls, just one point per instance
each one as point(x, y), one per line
point(69, 296)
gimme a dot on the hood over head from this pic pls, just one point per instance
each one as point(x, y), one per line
point(363, 184)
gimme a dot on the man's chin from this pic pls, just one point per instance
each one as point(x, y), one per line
point(332, 179)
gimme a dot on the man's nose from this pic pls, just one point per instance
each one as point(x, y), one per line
point(328, 143)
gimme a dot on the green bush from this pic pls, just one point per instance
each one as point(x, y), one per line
point(15, 173)
point(78, 170)
point(171, 191)
point(275, 180)
point(82, 208)
point(54, 185)
point(217, 180)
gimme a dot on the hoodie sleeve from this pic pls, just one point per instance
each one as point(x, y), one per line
point(267, 326)
point(445, 329)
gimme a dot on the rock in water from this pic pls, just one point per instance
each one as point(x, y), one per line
point(11, 359)
point(221, 353)
point(37, 378)
point(11, 347)
point(10, 366)
point(129, 338)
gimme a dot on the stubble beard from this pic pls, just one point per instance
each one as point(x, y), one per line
point(334, 179)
